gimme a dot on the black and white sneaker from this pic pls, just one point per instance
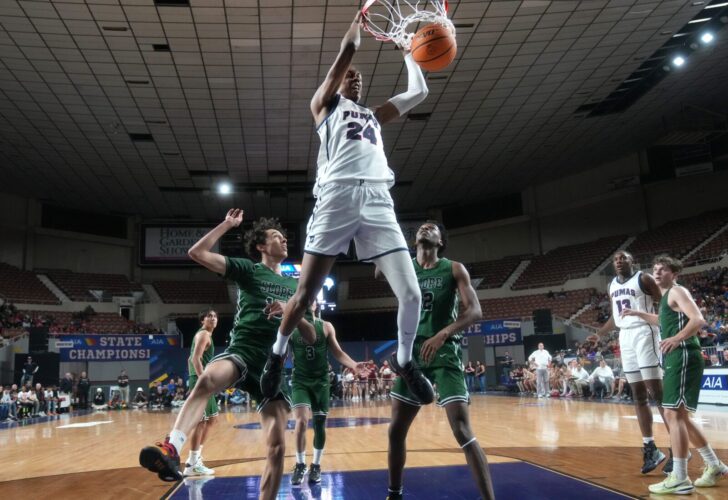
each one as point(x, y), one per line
point(314, 473)
point(652, 457)
point(417, 383)
point(299, 470)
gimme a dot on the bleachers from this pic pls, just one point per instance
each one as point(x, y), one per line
point(565, 263)
point(712, 251)
point(192, 292)
point(23, 287)
point(494, 272)
point(523, 306)
point(368, 288)
point(77, 285)
point(678, 237)
point(64, 322)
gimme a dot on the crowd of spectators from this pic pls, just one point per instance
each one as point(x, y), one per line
point(20, 402)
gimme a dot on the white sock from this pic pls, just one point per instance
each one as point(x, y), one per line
point(709, 456)
point(680, 468)
point(317, 456)
point(301, 457)
point(177, 439)
point(647, 440)
point(279, 347)
point(194, 457)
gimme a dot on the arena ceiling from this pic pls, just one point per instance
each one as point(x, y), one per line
point(126, 106)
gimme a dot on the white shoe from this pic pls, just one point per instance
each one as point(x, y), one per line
point(711, 475)
point(41, 414)
point(198, 469)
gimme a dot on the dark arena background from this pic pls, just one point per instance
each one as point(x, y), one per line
point(563, 131)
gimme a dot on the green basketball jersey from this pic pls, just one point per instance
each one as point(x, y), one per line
point(258, 286)
point(310, 361)
point(439, 298)
point(207, 355)
point(671, 322)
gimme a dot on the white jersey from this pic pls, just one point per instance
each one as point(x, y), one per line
point(351, 146)
point(629, 295)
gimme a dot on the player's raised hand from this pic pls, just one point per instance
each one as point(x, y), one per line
point(234, 217)
point(353, 34)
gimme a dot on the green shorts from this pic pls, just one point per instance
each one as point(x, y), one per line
point(211, 409)
point(445, 371)
point(250, 362)
point(682, 378)
point(313, 393)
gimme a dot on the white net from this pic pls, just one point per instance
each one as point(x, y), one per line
point(390, 20)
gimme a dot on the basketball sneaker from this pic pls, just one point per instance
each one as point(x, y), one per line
point(672, 486)
point(163, 459)
point(198, 469)
point(314, 473)
point(417, 383)
point(711, 475)
point(270, 380)
point(652, 457)
point(299, 470)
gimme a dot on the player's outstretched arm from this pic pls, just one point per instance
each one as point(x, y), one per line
point(401, 103)
point(200, 251)
point(349, 45)
point(336, 350)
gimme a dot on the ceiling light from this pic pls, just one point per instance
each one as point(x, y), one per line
point(701, 20)
point(707, 37)
point(716, 5)
point(678, 61)
point(224, 188)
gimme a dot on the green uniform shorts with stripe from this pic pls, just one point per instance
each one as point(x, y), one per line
point(682, 379)
point(250, 362)
point(313, 393)
point(211, 409)
point(445, 371)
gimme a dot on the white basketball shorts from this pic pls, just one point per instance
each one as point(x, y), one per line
point(640, 351)
point(356, 210)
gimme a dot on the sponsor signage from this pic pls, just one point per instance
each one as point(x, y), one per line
point(113, 347)
point(168, 245)
point(714, 386)
point(497, 333)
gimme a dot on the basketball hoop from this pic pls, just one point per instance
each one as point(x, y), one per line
point(387, 20)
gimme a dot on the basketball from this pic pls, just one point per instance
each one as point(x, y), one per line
point(434, 47)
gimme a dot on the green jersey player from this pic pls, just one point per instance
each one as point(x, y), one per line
point(437, 351)
point(310, 392)
point(262, 293)
point(680, 320)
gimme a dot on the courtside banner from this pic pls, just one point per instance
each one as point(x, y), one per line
point(497, 332)
point(168, 245)
point(714, 386)
point(113, 347)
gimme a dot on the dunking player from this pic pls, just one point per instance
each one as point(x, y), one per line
point(353, 202)
point(311, 392)
point(201, 352)
point(437, 350)
point(261, 293)
point(680, 320)
point(639, 346)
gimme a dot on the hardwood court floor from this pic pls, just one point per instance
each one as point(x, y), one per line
point(593, 441)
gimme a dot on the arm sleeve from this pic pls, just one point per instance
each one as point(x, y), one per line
point(416, 88)
point(239, 270)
